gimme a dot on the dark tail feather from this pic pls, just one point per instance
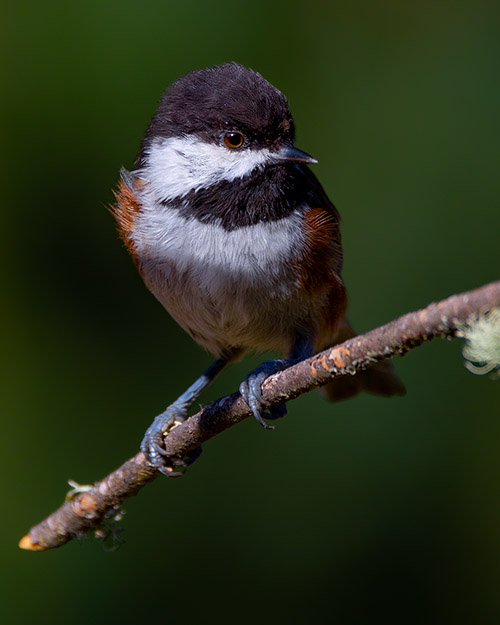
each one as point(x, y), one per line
point(378, 379)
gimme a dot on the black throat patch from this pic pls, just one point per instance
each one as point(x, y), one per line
point(267, 194)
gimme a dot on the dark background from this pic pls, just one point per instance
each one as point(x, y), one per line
point(364, 512)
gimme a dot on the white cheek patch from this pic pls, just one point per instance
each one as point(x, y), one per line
point(178, 165)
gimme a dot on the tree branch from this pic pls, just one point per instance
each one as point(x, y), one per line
point(89, 510)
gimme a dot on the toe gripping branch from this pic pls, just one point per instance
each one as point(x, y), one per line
point(153, 446)
point(251, 391)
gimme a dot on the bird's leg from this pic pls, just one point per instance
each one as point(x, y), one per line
point(251, 387)
point(175, 414)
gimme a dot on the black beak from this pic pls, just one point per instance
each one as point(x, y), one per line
point(293, 155)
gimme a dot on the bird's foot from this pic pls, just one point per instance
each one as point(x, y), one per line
point(251, 391)
point(153, 448)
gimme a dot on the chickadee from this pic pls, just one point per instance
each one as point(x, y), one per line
point(235, 236)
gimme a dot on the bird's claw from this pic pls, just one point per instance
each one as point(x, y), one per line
point(153, 448)
point(251, 391)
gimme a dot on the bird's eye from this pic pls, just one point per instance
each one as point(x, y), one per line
point(233, 140)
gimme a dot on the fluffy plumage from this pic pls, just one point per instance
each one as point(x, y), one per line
point(241, 246)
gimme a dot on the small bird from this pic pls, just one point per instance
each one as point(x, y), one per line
point(234, 235)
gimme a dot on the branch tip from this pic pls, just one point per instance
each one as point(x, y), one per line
point(27, 544)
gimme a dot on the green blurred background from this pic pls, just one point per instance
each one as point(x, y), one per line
point(371, 511)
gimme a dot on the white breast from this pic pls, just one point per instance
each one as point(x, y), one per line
point(226, 288)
